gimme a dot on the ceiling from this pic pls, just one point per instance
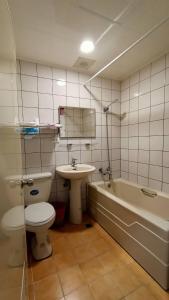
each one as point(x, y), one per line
point(50, 32)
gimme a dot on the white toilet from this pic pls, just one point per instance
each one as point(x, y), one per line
point(39, 215)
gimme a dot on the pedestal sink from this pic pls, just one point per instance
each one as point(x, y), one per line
point(76, 175)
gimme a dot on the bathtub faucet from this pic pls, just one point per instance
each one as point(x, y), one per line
point(106, 172)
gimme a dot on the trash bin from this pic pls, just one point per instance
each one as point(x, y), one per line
point(60, 208)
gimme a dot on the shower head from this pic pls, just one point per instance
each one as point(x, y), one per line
point(106, 108)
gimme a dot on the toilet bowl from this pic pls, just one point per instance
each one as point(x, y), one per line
point(39, 217)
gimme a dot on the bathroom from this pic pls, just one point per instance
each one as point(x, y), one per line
point(84, 149)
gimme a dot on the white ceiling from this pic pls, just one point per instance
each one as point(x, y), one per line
point(50, 32)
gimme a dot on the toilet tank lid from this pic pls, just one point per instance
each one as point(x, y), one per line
point(30, 176)
point(38, 175)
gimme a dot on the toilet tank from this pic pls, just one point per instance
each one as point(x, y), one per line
point(40, 189)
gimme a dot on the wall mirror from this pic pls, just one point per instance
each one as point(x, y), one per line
point(77, 122)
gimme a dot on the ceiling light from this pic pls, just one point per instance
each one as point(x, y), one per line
point(61, 82)
point(87, 46)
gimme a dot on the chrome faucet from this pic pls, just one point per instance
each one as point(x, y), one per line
point(73, 164)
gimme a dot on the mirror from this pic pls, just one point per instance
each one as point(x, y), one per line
point(77, 122)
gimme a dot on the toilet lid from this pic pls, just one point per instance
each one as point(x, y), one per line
point(39, 213)
point(13, 219)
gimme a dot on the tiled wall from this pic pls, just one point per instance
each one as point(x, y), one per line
point(40, 97)
point(145, 128)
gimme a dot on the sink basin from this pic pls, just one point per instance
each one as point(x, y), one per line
point(82, 170)
point(75, 176)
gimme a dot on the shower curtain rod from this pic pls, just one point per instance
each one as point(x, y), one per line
point(129, 48)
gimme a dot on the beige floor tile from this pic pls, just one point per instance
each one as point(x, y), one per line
point(157, 291)
point(75, 239)
point(92, 269)
point(109, 260)
point(43, 268)
point(100, 246)
point(124, 279)
point(48, 289)
point(59, 245)
point(82, 293)
point(142, 293)
point(103, 289)
point(140, 273)
point(84, 252)
point(64, 260)
point(71, 279)
point(30, 291)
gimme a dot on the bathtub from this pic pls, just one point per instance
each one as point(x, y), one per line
point(138, 219)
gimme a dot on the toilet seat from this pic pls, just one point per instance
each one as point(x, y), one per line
point(39, 214)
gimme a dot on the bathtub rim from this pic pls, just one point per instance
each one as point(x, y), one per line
point(150, 217)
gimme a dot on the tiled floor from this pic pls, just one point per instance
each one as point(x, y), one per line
point(87, 264)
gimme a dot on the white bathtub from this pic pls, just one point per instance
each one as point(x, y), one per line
point(138, 218)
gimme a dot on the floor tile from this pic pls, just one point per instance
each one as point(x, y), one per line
point(82, 293)
point(92, 269)
point(59, 245)
point(48, 289)
point(141, 293)
point(30, 290)
point(71, 279)
point(43, 268)
point(84, 252)
point(102, 288)
point(124, 279)
point(109, 260)
point(100, 246)
point(64, 260)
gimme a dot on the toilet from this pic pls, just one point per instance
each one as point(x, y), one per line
point(39, 215)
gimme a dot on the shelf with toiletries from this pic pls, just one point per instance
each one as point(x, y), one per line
point(31, 129)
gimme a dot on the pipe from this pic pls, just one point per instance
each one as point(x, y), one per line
point(145, 35)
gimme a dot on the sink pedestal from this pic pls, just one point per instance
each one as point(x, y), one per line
point(75, 202)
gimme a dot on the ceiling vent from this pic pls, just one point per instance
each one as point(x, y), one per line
point(83, 63)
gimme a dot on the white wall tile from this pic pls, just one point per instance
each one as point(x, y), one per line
point(167, 76)
point(72, 90)
point(72, 76)
point(158, 65)
point(145, 72)
point(30, 114)
point(59, 101)
point(30, 99)
point(156, 142)
point(166, 175)
point(157, 112)
point(59, 74)
point(157, 96)
point(144, 101)
point(29, 83)
point(59, 90)
point(28, 68)
point(156, 128)
point(143, 170)
point(156, 158)
point(44, 71)
point(167, 93)
point(158, 80)
point(45, 101)
point(44, 85)
point(45, 116)
point(144, 86)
